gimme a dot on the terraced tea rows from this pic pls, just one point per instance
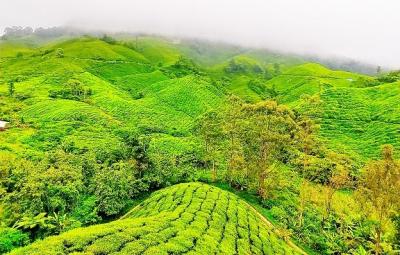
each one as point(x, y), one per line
point(362, 119)
point(130, 90)
point(191, 218)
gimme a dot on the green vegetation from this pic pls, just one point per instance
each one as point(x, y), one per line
point(190, 218)
point(12, 238)
point(97, 124)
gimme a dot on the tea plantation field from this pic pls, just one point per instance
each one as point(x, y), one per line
point(146, 87)
point(189, 218)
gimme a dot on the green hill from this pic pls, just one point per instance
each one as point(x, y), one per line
point(309, 79)
point(361, 119)
point(189, 218)
point(131, 88)
point(10, 49)
point(127, 90)
point(353, 117)
point(159, 51)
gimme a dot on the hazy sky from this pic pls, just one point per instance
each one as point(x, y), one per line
point(366, 30)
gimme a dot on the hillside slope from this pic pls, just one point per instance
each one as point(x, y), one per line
point(190, 218)
point(353, 117)
point(126, 90)
point(131, 88)
point(361, 119)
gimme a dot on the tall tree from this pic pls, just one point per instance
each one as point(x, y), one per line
point(379, 191)
point(210, 129)
point(339, 178)
point(379, 70)
point(232, 127)
point(11, 88)
point(304, 197)
point(277, 68)
point(308, 139)
point(269, 131)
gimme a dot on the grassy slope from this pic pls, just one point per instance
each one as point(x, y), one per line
point(249, 60)
point(362, 119)
point(309, 79)
point(190, 218)
point(238, 82)
point(116, 75)
point(9, 49)
point(358, 118)
point(352, 118)
point(131, 91)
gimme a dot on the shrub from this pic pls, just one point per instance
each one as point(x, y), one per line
point(59, 53)
point(11, 238)
point(73, 90)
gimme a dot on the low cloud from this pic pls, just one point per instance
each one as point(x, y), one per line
point(365, 30)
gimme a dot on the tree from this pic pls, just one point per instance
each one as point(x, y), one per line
point(182, 67)
point(254, 139)
point(59, 53)
point(115, 186)
point(277, 68)
point(112, 190)
point(34, 223)
point(210, 129)
point(61, 222)
point(304, 197)
point(267, 74)
point(53, 184)
point(339, 178)
point(396, 220)
point(269, 133)
point(311, 106)
point(378, 70)
point(257, 69)
point(108, 39)
point(379, 192)
point(73, 89)
point(11, 88)
point(76, 88)
point(232, 127)
point(234, 67)
point(307, 137)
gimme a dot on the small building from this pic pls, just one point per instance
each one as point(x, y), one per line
point(4, 125)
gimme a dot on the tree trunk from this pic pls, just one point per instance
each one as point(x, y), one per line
point(301, 218)
point(378, 239)
point(214, 172)
point(261, 185)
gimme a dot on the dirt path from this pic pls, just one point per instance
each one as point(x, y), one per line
point(266, 221)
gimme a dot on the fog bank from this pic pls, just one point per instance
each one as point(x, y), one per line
point(365, 30)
